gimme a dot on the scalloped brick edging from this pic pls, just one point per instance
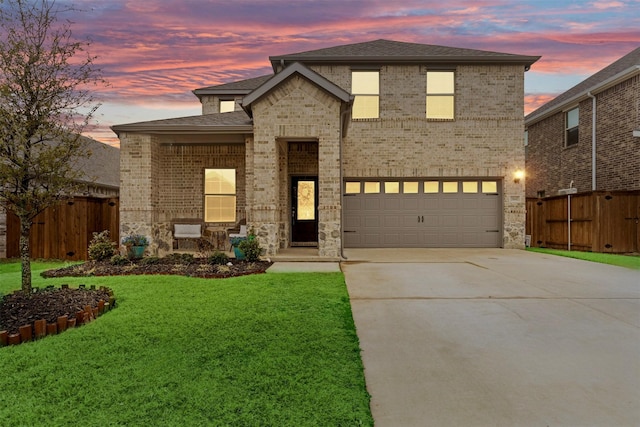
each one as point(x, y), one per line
point(40, 328)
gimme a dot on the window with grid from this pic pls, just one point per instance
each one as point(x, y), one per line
point(220, 195)
point(365, 85)
point(440, 94)
point(571, 133)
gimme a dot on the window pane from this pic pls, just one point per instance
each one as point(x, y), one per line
point(220, 181)
point(440, 107)
point(572, 118)
point(371, 187)
point(449, 187)
point(365, 107)
point(440, 82)
point(489, 187)
point(365, 83)
point(410, 187)
point(352, 187)
point(306, 200)
point(227, 106)
point(392, 187)
point(431, 187)
point(572, 136)
point(470, 187)
point(220, 208)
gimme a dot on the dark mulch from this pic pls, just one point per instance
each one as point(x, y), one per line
point(18, 309)
point(197, 268)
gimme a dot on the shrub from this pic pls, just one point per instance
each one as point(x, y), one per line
point(119, 260)
point(101, 247)
point(218, 258)
point(178, 258)
point(149, 260)
point(251, 248)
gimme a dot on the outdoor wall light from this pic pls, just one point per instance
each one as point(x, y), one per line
point(518, 175)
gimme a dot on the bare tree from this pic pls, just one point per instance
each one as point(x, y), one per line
point(46, 79)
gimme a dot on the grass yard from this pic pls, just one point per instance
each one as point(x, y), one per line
point(628, 261)
point(261, 350)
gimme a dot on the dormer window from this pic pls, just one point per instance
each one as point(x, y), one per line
point(365, 85)
point(227, 105)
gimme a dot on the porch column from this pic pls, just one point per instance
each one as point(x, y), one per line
point(329, 208)
point(262, 193)
point(139, 176)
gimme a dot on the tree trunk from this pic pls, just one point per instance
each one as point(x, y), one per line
point(25, 255)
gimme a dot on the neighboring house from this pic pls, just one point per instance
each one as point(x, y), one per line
point(588, 138)
point(100, 180)
point(376, 144)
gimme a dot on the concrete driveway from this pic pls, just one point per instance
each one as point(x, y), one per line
point(495, 337)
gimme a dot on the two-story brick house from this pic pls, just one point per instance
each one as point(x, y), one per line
point(588, 137)
point(376, 144)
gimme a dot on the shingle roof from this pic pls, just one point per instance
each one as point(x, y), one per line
point(103, 166)
point(389, 51)
point(235, 121)
point(240, 87)
point(628, 63)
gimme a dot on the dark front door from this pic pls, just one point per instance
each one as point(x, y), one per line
point(304, 210)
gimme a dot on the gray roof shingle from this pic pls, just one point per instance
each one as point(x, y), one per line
point(243, 85)
point(232, 121)
point(627, 62)
point(395, 51)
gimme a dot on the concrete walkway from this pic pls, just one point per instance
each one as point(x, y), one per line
point(495, 337)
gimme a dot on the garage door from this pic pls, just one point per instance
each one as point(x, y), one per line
point(422, 213)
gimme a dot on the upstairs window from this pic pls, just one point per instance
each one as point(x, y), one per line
point(365, 85)
point(571, 133)
point(227, 106)
point(219, 195)
point(440, 94)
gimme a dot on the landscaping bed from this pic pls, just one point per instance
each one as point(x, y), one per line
point(183, 266)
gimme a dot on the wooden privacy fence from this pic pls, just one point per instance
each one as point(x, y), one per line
point(65, 230)
point(599, 221)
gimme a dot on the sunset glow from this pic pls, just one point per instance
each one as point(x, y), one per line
point(154, 53)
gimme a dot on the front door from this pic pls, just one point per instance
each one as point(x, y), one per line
point(304, 211)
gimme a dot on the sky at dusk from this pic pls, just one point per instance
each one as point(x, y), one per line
point(155, 52)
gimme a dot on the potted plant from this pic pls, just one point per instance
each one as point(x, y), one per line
point(135, 244)
point(235, 242)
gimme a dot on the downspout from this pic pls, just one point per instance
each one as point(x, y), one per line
point(343, 120)
point(593, 140)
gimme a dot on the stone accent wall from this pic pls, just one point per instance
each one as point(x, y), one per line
point(551, 166)
point(3, 233)
point(484, 140)
point(296, 111)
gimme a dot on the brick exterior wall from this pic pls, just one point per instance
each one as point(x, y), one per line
point(485, 139)
point(161, 182)
point(296, 110)
point(551, 166)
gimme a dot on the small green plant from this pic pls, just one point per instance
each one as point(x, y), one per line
point(251, 248)
point(101, 247)
point(119, 260)
point(152, 260)
point(218, 258)
point(181, 258)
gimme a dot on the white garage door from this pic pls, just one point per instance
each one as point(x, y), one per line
point(445, 213)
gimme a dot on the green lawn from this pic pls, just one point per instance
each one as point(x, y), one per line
point(262, 350)
point(628, 261)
